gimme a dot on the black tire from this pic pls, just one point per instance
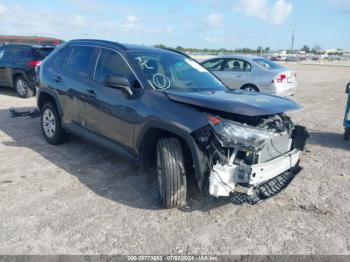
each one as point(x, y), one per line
point(250, 88)
point(171, 173)
point(22, 87)
point(57, 137)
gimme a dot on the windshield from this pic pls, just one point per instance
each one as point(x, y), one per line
point(165, 70)
point(267, 64)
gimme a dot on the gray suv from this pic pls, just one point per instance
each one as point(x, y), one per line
point(164, 110)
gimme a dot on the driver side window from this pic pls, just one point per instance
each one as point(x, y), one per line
point(111, 63)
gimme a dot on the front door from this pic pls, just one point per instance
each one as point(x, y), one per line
point(110, 112)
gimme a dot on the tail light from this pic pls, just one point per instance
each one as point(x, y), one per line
point(33, 63)
point(279, 78)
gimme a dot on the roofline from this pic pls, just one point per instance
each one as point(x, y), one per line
point(100, 41)
point(28, 45)
point(175, 51)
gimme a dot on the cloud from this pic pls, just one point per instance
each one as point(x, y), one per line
point(129, 27)
point(215, 20)
point(131, 22)
point(260, 9)
point(213, 39)
point(3, 10)
point(342, 5)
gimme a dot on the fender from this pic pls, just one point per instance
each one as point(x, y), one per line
point(53, 94)
point(198, 157)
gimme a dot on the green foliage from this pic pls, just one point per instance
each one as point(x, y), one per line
point(306, 49)
point(216, 51)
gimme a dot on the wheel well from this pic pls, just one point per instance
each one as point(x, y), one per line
point(149, 146)
point(246, 85)
point(15, 76)
point(44, 98)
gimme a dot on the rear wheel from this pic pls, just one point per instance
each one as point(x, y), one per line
point(250, 88)
point(22, 88)
point(51, 125)
point(171, 173)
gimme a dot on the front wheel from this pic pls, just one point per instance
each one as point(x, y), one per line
point(22, 88)
point(171, 173)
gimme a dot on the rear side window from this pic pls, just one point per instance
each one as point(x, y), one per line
point(111, 63)
point(214, 64)
point(41, 53)
point(18, 54)
point(59, 57)
point(267, 64)
point(79, 60)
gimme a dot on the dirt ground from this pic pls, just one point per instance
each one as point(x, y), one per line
point(79, 199)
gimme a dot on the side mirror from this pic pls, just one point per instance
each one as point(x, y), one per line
point(347, 89)
point(118, 82)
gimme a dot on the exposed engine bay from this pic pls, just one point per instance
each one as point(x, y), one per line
point(248, 151)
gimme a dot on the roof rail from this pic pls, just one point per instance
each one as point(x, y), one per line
point(99, 40)
point(176, 51)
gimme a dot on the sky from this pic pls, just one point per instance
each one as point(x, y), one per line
point(189, 23)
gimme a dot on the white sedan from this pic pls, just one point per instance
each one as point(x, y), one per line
point(253, 73)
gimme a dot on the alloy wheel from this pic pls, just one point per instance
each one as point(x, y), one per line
point(21, 87)
point(49, 123)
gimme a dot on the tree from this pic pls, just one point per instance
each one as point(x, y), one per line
point(160, 46)
point(180, 48)
point(258, 50)
point(306, 49)
point(316, 49)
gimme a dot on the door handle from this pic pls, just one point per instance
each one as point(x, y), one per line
point(57, 79)
point(91, 93)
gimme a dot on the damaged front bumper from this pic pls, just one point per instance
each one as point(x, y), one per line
point(224, 178)
point(251, 157)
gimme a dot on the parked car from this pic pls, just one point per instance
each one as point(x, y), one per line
point(164, 110)
point(17, 66)
point(253, 73)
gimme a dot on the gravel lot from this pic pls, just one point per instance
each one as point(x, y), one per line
point(79, 199)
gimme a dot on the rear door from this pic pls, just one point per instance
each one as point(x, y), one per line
point(78, 72)
point(235, 72)
point(69, 72)
point(110, 112)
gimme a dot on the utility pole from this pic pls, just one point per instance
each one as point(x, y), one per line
point(293, 35)
point(261, 47)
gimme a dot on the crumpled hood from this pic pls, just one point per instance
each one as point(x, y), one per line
point(235, 101)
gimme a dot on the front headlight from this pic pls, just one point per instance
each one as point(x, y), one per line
point(233, 134)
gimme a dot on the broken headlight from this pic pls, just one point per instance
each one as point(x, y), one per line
point(232, 134)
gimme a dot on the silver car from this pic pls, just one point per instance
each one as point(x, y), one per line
point(253, 73)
